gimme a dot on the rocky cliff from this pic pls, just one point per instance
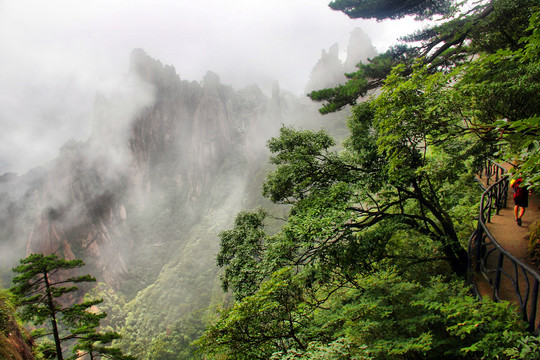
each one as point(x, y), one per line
point(330, 70)
point(15, 342)
point(168, 165)
point(131, 192)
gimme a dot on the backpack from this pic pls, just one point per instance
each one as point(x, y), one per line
point(518, 190)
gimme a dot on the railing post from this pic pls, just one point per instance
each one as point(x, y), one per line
point(505, 192)
point(498, 202)
point(479, 238)
point(488, 171)
point(534, 302)
point(497, 283)
point(489, 206)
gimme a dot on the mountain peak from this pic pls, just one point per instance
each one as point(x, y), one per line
point(149, 69)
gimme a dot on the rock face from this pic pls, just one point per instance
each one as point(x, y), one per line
point(80, 213)
point(359, 49)
point(330, 70)
point(168, 165)
point(144, 176)
point(14, 344)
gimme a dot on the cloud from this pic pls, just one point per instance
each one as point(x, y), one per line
point(57, 54)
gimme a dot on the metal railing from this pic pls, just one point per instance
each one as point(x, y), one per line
point(496, 264)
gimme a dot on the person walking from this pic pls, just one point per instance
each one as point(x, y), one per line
point(521, 199)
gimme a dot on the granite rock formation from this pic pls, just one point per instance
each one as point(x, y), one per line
point(157, 146)
point(330, 70)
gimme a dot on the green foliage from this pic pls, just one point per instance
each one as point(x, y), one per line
point(176, 343)
point(94, 344)
point(391, 9)
point(385, 316)
point(306, 164)
point(522, 131)
point(15, 343)
point(38, 288)
point(261, 323)
point(113, 305)
point(495, 96)
point(365, 265)
point(487, 27)
point(242, 250)
point(6, 309)
point(185, 286)
point(42, 289)
point(338, 236)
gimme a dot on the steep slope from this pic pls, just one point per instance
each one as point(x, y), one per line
point(220, 174)
point(330, 70)
point(142, 179)
point(168, 165)
point(15, 343)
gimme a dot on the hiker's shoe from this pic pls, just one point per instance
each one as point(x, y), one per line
point(519, 221)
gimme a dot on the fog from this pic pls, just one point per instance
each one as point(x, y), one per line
point(156, 166)
point(57, 54)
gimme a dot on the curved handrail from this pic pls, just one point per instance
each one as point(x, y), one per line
point(489, 256)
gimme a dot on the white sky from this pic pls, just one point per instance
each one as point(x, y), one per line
point(55, 55)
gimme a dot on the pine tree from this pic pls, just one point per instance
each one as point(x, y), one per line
point(487, 27)
point(393, 9)
point(43, 292)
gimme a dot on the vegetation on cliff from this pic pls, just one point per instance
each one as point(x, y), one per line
point(15, 342)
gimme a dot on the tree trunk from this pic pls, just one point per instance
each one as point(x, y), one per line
point(457, 255)
point(50, 305)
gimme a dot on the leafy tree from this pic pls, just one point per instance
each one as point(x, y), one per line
point(499, 87)
point(487, 27)
point(43, 291)
point(94, 345)
point(391, 317)
point(507, 83)
point(353, 214)
point(392, 9)
point(176, 342)
point(394, 181)
point(384, 316)
point(364, 265)
point(255, 327)
point(242, 249)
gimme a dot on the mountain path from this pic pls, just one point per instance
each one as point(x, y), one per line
point(514, 239)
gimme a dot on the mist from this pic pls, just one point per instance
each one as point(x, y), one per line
point(138, 131)
point(57, 54)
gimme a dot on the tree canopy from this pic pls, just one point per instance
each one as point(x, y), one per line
point(492, 49)
point(392, 9)
point(371, 261)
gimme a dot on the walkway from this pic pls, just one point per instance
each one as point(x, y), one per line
point(512, 237)
point(515, 285)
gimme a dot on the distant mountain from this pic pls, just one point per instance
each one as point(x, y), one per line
point(168, 165)
point(155, 136)
point(330, 70)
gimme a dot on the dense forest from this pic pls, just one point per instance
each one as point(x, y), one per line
point(358, 249)
point(370, 263)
